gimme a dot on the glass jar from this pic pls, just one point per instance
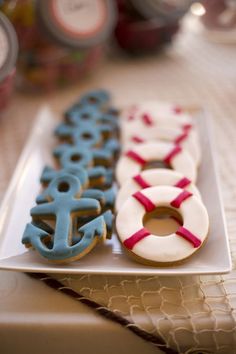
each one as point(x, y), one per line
point(8, 56)
point(61, 41)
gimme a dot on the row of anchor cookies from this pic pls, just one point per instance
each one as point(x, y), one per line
point(156, 173)
point(73, 211)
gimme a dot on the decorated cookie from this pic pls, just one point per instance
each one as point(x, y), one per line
point(88, 135)
point(141, 156)
point(159, 113)
point(84, 135)
point(71, 156)
point(96, 99)
point(152, 249)
point(106, 122)
point(151, 178)
point(63, 205)
point(136, 132)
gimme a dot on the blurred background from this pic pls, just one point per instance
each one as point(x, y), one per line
point(62, 42)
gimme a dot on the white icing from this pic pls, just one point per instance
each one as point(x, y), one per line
point(169, 248)
point(4, 47)
point(160, 112)
point(153, 151)
point(79, 16)
point(154, 177)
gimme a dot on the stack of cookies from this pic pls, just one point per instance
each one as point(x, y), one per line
point(156, 174)
point(73, 212)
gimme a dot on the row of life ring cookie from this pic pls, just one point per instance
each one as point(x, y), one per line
point(154, 133)
point(78, 193)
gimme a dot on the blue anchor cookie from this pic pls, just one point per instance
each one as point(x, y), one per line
point(106, 123)
point(96, 99)
point(63, 207)
point(89, 136)
point(84, 135)
point(71, 156)
point(88, 235)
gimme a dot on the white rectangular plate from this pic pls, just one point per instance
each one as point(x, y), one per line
point(108, 258)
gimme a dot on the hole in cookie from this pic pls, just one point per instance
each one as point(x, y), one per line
point(92, 100)
point(162, 221)
point(87, 136)
point(63, 187)
point(85, 116)
point(156, 164)
point(75, 157)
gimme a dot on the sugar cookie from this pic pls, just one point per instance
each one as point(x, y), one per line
point(135, 160)
point(136, 132)
point(63, 205)
point(162, 250)
point(151, 178)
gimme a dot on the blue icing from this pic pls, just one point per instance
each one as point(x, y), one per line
point(107, 219)
point(110, 195)
point(96, 98)
point(113, 145)
point(106, 123)
point(73, 156)
point(85, 135)
point(93, 99)
point(63, 192)
point(81, 156)
point(93, 193)
point(49, 173)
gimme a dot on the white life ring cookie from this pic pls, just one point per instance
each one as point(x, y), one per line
point(162, 250)
point(134, 161)
point(135, 132)
point(151, 178)
point(163, 113)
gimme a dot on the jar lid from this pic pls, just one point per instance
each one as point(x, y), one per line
point(164, 9)
point(77, 23)
point(8, 47)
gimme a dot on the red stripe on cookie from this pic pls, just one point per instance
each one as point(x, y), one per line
point(135, 157)
point(187, 235)
point(181, 137)
point(141, 182)
point(137, 139)
point(135, 238)
point(176, 150)
point(147, 120)
point(187, 127)
point(183, 182)
point(177, 109)
point(146, 202)
point(180, 199)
